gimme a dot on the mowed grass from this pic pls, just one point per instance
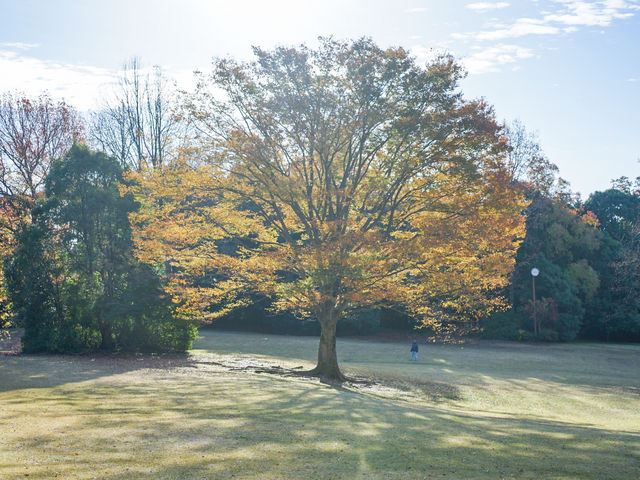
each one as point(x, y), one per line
point(490, 410)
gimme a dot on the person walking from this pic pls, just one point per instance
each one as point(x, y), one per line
point(414, 351)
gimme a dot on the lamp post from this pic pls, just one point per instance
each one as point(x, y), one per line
point(534, 273)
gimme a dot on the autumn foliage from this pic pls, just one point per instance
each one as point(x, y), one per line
point(331, 179)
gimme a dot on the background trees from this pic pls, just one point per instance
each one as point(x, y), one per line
point(137, 124)
point(580, 249)
point(563, 246)
point(615, 312)
point(73, 281)
point(348, 176)
point(32, 133)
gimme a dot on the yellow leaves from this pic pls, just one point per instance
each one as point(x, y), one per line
point(426, 218)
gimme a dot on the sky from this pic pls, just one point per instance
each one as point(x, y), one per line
point(568, 69)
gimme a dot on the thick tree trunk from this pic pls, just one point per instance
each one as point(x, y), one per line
point(327, 366)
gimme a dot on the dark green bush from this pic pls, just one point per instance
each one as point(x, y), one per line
point(74, 283)
point(501, 325)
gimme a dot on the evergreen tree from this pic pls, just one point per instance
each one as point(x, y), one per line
point(74, 281)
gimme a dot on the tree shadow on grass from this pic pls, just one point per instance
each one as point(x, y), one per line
point(214, 416)
point(368, 384)
point(252, 426)
point(586, 366)
point(25, 371)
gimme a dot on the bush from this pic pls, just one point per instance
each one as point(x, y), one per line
point(525, 336)
point(548, 335)
point(501, 326)
point(74, 283)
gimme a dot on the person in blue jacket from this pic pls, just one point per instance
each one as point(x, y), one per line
point(414, 351)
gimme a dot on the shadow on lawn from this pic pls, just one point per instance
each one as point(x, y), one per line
point(18, 372)
point(22, 371)
point(195, 416)
point(608, 364)
point(254, 427)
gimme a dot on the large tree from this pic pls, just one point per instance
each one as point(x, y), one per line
point(334, 178)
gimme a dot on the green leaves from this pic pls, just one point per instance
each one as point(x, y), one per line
point(74, 281)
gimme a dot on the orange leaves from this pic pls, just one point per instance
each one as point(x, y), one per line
point(187, 227)
point(373, 182)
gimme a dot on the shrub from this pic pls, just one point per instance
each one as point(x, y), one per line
point(74, 283)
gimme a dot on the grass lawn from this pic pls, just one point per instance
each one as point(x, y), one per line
point(491, 410)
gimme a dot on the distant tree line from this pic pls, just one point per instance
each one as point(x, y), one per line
point(79, 276)
point(587, 255)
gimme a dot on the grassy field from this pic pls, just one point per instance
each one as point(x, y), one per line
point(491, 410)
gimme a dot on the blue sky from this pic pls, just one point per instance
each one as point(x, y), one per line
point(569, 69)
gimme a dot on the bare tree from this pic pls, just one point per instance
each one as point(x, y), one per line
point(32, 133)
point(137, 125)
point(109, 133)
point(529, 165)
point(526, 160)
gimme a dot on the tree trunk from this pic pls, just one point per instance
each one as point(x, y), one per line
point(327, 366)
point(105, 331)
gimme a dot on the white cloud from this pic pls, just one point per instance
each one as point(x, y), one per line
point(19, 45)
point(564, 18)
point(484, 6)
point(424, 54)
point(416, 10)
point(521, 28)
point(632, 80)
point(490, 59)
point(567, 17)
point(83, 86)
point(583, 13)
point(79, 85)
